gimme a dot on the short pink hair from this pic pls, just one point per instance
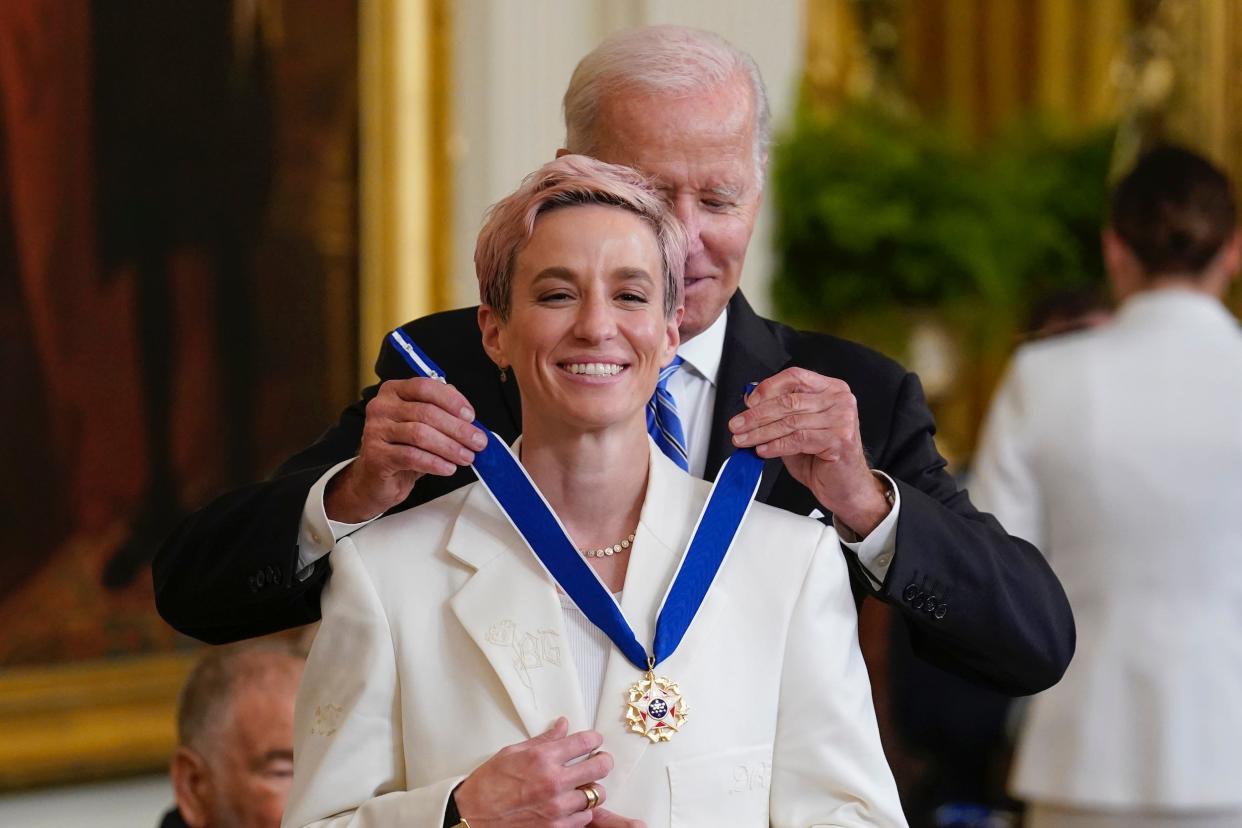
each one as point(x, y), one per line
point(573, 180)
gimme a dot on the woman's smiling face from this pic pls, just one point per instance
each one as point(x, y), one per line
point(587, 333)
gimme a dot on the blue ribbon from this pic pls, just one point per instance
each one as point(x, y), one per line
point(529, 513)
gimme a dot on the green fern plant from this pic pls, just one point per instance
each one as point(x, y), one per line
point(878, 217)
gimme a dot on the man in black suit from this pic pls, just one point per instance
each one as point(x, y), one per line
point(846, 433)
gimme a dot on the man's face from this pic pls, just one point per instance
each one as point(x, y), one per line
point(252, 769)
point(700, 150)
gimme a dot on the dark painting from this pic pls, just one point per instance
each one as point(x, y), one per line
point(178, 286)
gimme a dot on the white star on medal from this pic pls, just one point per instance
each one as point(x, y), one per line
point(654, 708)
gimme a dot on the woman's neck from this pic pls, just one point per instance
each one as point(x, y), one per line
point(595, 482)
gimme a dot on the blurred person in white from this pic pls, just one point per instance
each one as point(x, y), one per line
point(1118, 451)
point(453, 683)
point(234, 763)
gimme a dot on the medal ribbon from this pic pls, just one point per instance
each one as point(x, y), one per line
point(529, 513)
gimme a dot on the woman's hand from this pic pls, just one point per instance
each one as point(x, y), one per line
point(530, 784)
point(607, 819)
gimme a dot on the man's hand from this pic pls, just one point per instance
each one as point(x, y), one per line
point(530, 784)
point(413, 427)
point(812, 422)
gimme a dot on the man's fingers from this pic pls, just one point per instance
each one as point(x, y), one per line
point(428, 438)
point(798, 425)
point(802, 410)
point(439, 394)
point(396, 409)
point(791, 380)
point(826, 444)
point(402, 459)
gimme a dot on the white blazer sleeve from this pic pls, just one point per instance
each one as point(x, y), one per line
point(828, 767)
point(349, 766)
point(1003, 480)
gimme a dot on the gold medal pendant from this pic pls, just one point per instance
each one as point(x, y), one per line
point(654, 708)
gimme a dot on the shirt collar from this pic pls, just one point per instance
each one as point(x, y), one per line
point(703, 352)
point(1174, 304)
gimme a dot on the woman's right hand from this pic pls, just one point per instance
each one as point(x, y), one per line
point(531, 784)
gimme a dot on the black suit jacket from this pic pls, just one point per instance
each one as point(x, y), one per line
point(978, 602)
point(173, 819)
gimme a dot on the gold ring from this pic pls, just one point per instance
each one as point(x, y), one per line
point(592, 796)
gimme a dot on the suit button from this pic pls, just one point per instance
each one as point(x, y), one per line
point(271, 575)
point(275, 572)
point(941, 611)
point(911, 592)
point(931, 603)
point(918, 601)
point(260, 579)
point(254, 587)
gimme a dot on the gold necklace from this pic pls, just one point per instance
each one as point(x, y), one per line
point(609, 551)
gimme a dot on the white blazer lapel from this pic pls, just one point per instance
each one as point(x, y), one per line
point(509, 607)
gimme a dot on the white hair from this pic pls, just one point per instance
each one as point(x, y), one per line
point(660, 59)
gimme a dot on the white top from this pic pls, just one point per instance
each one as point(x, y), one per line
point(590, 649)
point(1118, 452)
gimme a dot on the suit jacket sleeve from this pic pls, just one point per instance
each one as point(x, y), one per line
point(229, 571)
point(827, 727)
point(349, 757)
point(978, 602)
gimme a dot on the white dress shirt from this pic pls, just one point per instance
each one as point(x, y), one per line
point(694, 391)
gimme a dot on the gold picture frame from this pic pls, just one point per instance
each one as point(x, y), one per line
point(89, 720)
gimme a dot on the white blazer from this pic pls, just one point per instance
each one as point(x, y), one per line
point(443, 641)
point(1119, 453)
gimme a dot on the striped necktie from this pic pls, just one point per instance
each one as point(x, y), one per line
point(663, 424)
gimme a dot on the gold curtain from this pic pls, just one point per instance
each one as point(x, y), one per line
point(977, 62)
point(981, 62)
point(1206, 111)
point(405, 186)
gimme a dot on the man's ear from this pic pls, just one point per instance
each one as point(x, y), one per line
point(1232, 258)
point(493, 335)
point(1124, 273)
point(192, 787)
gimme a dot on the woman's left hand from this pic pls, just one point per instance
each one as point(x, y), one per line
point(607, 819)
